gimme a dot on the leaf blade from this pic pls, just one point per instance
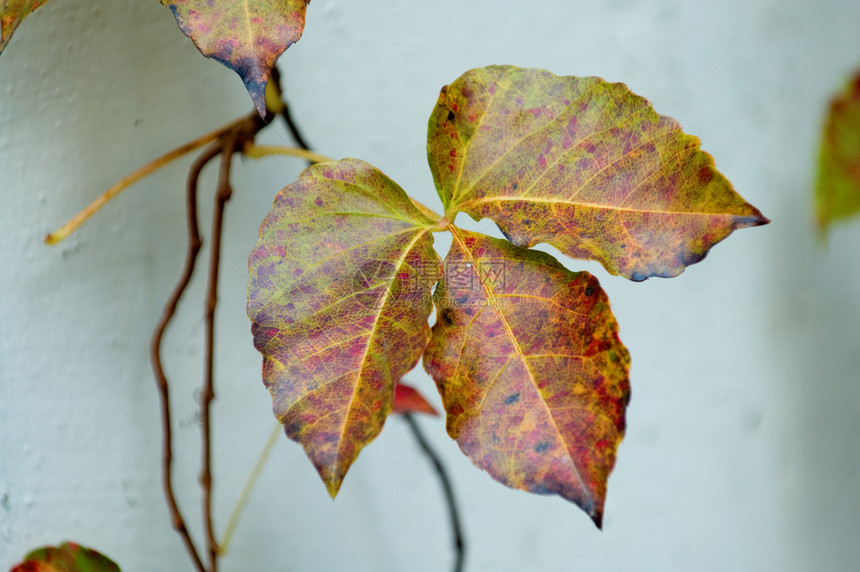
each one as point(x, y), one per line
point(622, 184)
point(12, 12)
point(68, 557)
point(532, 374)
point(837, 190)
point(338, 323)
point(247, 36)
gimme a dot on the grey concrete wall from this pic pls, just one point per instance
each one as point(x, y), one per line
point(742, 451)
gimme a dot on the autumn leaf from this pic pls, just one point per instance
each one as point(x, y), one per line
point(68, 557)
point(408, 400)
point(837, 192)
point(581, 164)
point(532, 374)
point(11, 14)
point(247, 37)
point(339, 298)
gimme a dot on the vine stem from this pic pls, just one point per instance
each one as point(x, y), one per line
point(193, 249)
point(64, 231)
point(453, 512)
point(207, 395)
point(294, 130)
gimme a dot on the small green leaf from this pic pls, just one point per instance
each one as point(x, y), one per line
point(11, 14)
point(581, 164)
point(68, 557)
point(247, 36)
point(837, 193)
point(339, 298)
point(532, 374)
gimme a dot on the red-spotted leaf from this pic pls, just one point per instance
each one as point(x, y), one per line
point(247, 36)
point(339, 298)
point(838, 188)
point(581, 164)
point(533, 376)
point(68, 557)
point(11, 14)
point(408, 400)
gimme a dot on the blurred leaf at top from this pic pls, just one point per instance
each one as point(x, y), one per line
point(837, 191)
point(582, 164)
point(68, 557)
point(11, 14)
point(247, 36)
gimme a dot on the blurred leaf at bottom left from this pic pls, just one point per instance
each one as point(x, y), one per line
point(68, 557)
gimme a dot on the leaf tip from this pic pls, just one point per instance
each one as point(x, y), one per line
point(597, 518)
point(257, 91)
point(758, 219)
point(332, 485)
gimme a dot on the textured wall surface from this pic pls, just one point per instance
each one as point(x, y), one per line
point(741, 452)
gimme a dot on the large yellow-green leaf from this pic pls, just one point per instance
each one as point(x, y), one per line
point(582, 164)
point(339, 298)
point(838, 188)
point(532, 374)
point(11, 14)
point(68, 557)
point(247, 36)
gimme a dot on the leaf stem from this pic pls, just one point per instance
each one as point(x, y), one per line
point(65, 230)
point(246, 490)
point(430, 213)
point(284, 110)
point(257, 151)
point(453, 512)
point(193, 249)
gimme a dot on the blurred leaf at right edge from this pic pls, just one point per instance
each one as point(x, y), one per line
point(11, 14)
point(837, 190)
point(68, 557)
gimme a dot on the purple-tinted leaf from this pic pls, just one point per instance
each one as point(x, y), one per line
point(581, 164)
point(339, 298)
point(533, 376)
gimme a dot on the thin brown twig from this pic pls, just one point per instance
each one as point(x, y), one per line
point(222, 195)
point(194, 244)
point(293, 128)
